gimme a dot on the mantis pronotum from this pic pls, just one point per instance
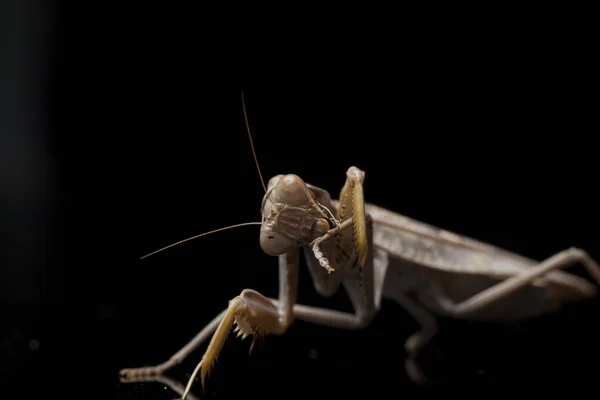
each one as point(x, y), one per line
point(378, 245)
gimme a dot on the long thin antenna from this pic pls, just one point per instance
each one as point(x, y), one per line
point(202, 234)
point(251, 143)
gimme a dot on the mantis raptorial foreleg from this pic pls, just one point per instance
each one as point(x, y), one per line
point(261, 312)
point(505, 288)
point(352, 205)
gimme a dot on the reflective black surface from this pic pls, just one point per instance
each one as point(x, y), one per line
point(312, 359)
point(146, 150)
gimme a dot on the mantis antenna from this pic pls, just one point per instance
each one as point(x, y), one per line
point(200, 235)
point(231, 226)
point(251, 143)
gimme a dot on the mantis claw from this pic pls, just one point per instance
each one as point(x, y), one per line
point(253, 314)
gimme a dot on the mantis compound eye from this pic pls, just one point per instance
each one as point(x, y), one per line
point(292, 191)
point(274, 180)
point(275, 244)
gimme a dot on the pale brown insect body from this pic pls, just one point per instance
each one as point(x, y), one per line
point(435, 264)
point(376, 253)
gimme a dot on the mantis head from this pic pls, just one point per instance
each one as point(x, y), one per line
point(291, 217)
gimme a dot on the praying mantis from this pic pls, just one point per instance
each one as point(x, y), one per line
point(377, 254)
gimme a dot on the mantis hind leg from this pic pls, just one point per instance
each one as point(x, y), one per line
point(507, 287)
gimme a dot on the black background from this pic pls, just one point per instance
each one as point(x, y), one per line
point(145, 142)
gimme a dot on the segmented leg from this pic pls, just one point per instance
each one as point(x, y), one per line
point(173, 384)
point(254, 315)
point(364, 310)
point(257, 315)
point(346, 247)
point(418, 340)
point(560, 260)
point(319, 253)
point(134, 374)
point(288, 281)
point(352, 204)
point(352, 249)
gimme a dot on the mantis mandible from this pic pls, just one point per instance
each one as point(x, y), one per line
point(375, 254)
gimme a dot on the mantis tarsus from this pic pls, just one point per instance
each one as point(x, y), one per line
point(375, 253)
